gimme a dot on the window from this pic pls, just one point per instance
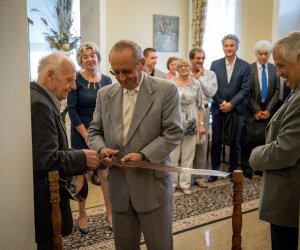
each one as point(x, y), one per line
point(221, 19)
point(38, 47)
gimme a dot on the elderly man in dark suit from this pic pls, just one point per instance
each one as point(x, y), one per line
point(140, 117)
point(261, 103)
point(279, 158)
point(233, 77)
point(56, 77)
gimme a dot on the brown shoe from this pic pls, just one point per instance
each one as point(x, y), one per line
point(187, 191)
point(201, 183)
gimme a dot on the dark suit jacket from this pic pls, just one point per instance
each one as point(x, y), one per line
point(254, 102)
point(155, 130)
point(237, 89)
point(50, 151)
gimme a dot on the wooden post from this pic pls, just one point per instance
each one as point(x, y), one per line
point(56, 214)
point(237, 209)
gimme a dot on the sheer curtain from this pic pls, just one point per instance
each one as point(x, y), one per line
point(198, 22)
point(221, 19)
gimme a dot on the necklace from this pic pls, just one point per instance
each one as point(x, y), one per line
point(94, 80)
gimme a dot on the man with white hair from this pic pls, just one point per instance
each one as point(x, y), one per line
point(50, 151)
point(261, 102)
point(279, 157)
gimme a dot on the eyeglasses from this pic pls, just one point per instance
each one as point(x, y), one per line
point(183, 66)
point(126, 72)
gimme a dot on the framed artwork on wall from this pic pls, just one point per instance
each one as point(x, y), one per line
point(165, 33)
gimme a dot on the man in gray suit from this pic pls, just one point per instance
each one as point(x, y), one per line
point(150, 55)
point(233, 76)
point(141, 199)
point(50, 151)
point(260, 104)
point(279, 158)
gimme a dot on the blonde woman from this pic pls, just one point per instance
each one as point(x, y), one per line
point(190, 95)
point(81, 106)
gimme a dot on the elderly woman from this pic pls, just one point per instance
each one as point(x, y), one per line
point(81, 105)
point(193, 119)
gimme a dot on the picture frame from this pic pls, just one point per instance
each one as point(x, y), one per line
point(165, 33)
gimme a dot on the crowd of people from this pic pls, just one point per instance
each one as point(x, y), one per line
point(165, 118)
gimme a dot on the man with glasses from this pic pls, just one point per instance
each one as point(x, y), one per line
point(209, 86)
point(150, 63)
point(137, 120)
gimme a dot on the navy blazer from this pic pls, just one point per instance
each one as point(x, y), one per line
point(236, 90)
point(50, 151)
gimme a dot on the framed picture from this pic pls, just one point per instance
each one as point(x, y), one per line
point(165, 33)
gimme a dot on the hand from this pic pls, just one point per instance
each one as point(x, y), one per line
point(133, 157)
point(257, 115)
point(92, 159)
point(201, 129)
point(226, 107)
point(108, 153)
point(265, 114)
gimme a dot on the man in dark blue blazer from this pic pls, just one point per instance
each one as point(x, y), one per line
point(260, 105)
point(233, 76)
point(50, 151)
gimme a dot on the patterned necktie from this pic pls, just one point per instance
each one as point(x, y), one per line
point(128, 114)
point(264, 86)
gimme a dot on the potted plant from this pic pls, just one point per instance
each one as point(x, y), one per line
point(58, 31)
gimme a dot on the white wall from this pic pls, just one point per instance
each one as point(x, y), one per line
point(133, 19)
point(16, 184)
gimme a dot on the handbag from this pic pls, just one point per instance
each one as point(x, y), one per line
point(229, 128)
point(190, 127)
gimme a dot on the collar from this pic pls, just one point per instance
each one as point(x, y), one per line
point(259, 66)
point(52, 96)
point(228, 64)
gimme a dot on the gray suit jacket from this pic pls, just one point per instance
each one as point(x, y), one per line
point(236, 90)
point(155, 131)
point(280, 160)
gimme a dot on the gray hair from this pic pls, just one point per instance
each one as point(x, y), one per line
point(82, 51)
point(131, 45)
point(262, 45)
point(233, 37)
point(288, 47)
point(53, 62)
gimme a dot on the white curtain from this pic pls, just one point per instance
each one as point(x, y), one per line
point(221, 18)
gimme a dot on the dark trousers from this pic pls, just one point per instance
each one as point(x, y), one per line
point(284, 238)
point(45, 245)
point(216, 147)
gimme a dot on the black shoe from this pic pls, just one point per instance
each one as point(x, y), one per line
point(257, 172)
point(212, 178)
point(95, 180)
point(230, 175)
point(248, 174)
point(83, 230)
